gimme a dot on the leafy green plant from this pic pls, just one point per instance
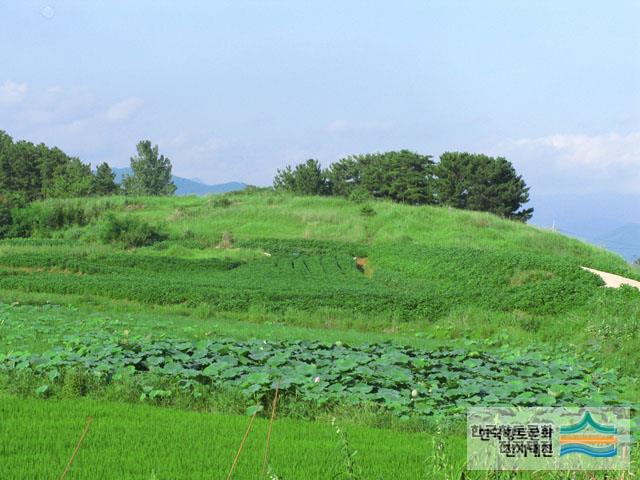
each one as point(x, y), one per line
point(351, 470)
point(367, 211)
point(221, 202)
point(360, 195)
point(404, 381)
point(5, 215)
point(129, 231)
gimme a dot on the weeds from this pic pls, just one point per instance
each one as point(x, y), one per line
point(351, 470)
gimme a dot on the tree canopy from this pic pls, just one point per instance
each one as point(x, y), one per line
point(305, 179)
point(461, 180)
point(402, 176)
point(151, 172)
point(31, 172)
point(479, 182)
point(104, 181)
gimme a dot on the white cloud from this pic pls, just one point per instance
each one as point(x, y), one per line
point(55, 105)
point(578, 162)
point(75, 119)
point(123, 109)
point(13, 92)
point(591, 151)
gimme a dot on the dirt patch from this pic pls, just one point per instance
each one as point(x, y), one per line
point(362, 264)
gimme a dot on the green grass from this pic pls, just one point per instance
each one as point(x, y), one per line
point(278, 216)
point(435, 276)
point(139, 442)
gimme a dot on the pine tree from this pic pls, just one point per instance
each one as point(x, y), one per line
point(305, 179)
point(479, 182)
point(104, 181)
point(151, 173)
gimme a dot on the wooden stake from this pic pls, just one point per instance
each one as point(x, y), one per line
point(273, 416)
point(246, 434)
point(75, 452)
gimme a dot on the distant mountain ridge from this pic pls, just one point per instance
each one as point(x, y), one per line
point(606, 219)
point(186, 186)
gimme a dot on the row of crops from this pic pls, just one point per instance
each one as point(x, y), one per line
point(410, 283)
point(401, 379)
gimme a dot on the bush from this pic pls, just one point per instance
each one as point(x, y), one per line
point(360, 195)
point(6, 218)
point(62, 215)
point(221, 202)
point(16, 219)
point(43, 218)
point(367, 211)
point(131, 232)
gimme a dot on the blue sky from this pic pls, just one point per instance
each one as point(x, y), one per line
point(233, 90)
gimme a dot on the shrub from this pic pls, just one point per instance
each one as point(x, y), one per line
point(23, 221)
point(63, 214)
point(42, 218)
point(360, 195)
point(131, 232)
point(5, 216)
point(221, 202)
point(367, 211)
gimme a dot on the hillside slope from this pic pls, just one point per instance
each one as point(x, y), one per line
point(262, 255)
point(384, 316)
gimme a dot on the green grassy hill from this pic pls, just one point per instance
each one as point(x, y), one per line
point(211, 303)
point(433, 270)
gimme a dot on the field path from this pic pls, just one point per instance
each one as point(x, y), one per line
point(613, 281)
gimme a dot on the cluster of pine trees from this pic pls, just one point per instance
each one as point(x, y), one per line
point(461, 180)
point(33, 172)
point(30, 172)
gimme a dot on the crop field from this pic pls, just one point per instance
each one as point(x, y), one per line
point(172, 321)
point(403, 380)
point(295, 279)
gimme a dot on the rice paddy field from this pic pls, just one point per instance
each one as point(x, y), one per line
point(173, 322)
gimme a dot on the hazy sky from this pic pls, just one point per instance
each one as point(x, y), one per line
point(234, 90)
